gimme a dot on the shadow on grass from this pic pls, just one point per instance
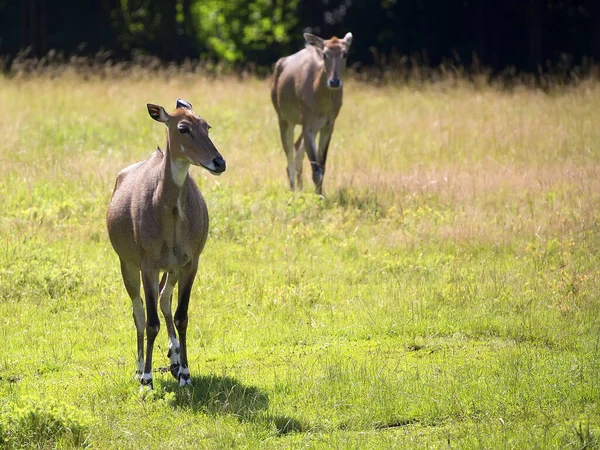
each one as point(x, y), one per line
point(222, 395)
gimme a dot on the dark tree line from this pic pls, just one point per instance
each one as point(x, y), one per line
point(525, 34)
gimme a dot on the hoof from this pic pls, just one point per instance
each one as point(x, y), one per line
point(317, 175)
point(185, 381)
point(184, 377)
point(173, 352)
point(146, 388)
point(319, 187)
point(174, 369)
point(146, 382)
point(173, 355)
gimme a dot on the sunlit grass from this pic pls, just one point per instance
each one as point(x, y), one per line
point(444, 293)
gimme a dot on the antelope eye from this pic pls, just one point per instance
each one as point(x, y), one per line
point(183, 129)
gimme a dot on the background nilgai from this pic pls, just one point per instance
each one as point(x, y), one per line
point(445, 291)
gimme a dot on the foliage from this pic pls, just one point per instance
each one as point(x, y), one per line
point(532, 36)
point(237, 31)
point(43, 424)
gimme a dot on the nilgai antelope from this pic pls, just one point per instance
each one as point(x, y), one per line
point(307, 90)
point(158, 222)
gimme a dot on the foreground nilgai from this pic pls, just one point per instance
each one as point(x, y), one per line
point(158, 222)
point(307, 90)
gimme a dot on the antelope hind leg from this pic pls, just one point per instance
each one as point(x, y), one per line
point(299, 149)
point(151, 285)
point(324, 140)
point(286, 131)
point(308, 136)
point(181, 319)
point(167, 284)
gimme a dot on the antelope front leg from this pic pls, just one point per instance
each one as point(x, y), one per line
point(308, 136)
point(150, 282)
point(324, 140)
point(131, 279)
point(181, 319)
point(167, 285)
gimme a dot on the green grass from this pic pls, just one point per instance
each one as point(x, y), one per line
point(444, 294)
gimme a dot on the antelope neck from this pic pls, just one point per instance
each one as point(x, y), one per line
point(174, 173)
point(178, 168)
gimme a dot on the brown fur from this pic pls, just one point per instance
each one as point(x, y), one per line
point(303, 93)
point(161, 228)
point(157, 225)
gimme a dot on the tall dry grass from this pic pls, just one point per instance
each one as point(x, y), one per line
point(476, 150)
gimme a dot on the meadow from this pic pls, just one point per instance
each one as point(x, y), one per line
point(445, 292)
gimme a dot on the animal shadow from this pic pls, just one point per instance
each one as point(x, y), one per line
point(223, 395)
point(219, 395)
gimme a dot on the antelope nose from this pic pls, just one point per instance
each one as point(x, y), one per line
point(335, 83)
point(219, 164)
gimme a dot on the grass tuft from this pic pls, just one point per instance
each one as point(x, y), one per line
point(43, 424)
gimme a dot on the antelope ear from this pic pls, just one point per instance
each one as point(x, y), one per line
point(348, 39)
point(181, 103)
point(158, 113)
point(313, 40)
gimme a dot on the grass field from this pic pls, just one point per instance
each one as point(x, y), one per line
point(444, 294)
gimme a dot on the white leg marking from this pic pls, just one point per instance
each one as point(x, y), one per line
point(146, 382)
point(174, 351)
point(184, 377)
point(165, 298)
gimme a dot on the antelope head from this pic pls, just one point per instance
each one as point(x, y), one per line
point(187, 137)
point(334, 52)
